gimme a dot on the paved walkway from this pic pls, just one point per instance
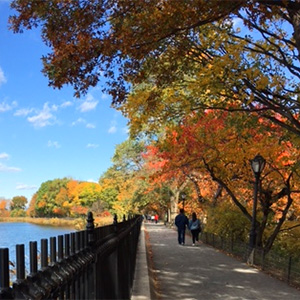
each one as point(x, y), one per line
point(201, 272)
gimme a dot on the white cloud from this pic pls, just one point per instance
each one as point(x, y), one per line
point(78, 121)
point(4, 168)
point(92, 146)
point(22, 186)
point(2, 77)
point(53, 107)
point(125, 130)
point(44, 117)
point(90, 125)
point(66, 104)
point(105, 96)
point(112, 129)
point(6, 106)
point(92, 180)
point(4, 155)
point(88, 104)
point(53, 144)
point(23, 112)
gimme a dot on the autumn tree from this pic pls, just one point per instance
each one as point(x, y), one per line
point(165, 62)
point(220, 146)
point(86, 193)
point(60, 208)
point(123, 186)
point(3, 207)
point(31, 207)
point(3, 204)
point(46, 197)
point(65, 197)
point(17, 206)
point(108, 182)
point(18, 202)
point(168, 185)
point(196, 47)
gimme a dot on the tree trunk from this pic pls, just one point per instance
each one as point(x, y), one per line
point(174, 208)
point(295, 17)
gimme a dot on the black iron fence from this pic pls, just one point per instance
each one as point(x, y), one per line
point(96, 263)
point(286, 268)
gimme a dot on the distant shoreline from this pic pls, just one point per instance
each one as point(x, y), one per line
point(43, 221)
point(77, 223)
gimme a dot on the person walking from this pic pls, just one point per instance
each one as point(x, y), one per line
point(181, 222)
point(195, 228)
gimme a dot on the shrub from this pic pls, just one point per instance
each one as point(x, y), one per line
point(18, 213)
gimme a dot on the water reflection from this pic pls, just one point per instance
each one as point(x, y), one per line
point(12, 234)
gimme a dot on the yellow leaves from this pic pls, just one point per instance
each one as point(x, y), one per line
point(260, 80)
point(107, 183)
point(262, 83)
point(67, 204)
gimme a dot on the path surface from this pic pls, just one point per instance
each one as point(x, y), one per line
point(202, 272)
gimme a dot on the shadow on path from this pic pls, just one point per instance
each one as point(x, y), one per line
point(201, 272)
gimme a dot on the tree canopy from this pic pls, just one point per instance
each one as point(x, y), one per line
point(213, 154)
point(64, 198)
point(189, 72)
point(18, 202)
point(225, 54)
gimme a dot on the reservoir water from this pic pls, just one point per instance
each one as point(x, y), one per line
point(12, 234)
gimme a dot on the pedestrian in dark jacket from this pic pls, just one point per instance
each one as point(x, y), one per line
point(181, 221)
point(195, 228)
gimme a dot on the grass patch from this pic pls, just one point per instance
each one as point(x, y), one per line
point(42, 221)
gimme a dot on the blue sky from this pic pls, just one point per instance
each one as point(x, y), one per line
point(46, 133)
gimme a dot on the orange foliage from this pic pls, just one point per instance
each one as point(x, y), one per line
point(221, 145)
point(3, 211)
point(79, 210)
point(3, 204)
point(31, 208)
point(72, 190)
point(58, 211)
point(42, 204)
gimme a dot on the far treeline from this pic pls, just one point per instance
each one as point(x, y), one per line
point(60, 198)
point(206, 86)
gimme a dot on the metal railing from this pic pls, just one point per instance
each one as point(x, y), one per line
point(96, 263)
point(286, 268)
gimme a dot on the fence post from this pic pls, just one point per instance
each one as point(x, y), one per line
point(66, 254)
point(18, 287)
point(114, 265)
point(44, 253)
point(60, 248)
point(52, 250)
point(60, 257)
point(5, 290)
point(92, 277)
point(20, 262)
point(115, 223)
point(33, 258)
point(90, 226)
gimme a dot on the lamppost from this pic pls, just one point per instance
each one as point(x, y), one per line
point(257, 164)
point(183, 196)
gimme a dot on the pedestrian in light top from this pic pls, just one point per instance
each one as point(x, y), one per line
point(195, 228)
point(181, 221)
